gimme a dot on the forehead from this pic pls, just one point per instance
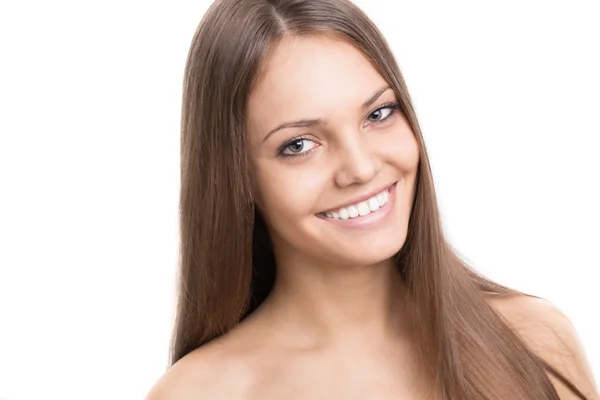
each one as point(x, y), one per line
point(311, 76)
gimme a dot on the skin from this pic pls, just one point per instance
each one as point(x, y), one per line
point(333, 279)
point(334, 299)
point(335, 324)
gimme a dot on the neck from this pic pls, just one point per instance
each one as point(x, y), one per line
point(319, 304)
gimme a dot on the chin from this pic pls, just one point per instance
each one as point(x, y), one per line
point(378, 250)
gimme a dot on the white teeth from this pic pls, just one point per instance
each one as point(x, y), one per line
point(361, 209)
point(373, 204)
point(344, 214)
point(352, 211)
point(380, 199)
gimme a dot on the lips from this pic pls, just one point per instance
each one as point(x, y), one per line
point(359, 199)
point(362, 222)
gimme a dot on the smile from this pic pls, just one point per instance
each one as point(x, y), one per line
point(366, 213)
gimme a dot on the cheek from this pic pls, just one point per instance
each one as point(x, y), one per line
point(410, 154)
point(287, 194)
point(404, 150)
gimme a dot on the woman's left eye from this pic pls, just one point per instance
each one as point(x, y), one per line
point(383, 113)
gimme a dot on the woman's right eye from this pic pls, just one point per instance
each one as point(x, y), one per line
point(295, 148)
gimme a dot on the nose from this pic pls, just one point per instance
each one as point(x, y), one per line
point(359, 164)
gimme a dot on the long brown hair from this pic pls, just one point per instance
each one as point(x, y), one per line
point(227, 267)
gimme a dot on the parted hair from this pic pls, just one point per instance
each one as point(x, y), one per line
point(226, 265)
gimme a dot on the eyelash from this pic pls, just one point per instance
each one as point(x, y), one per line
point(394, 107)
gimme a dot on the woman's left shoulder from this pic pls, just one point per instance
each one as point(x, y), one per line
point(551, 335)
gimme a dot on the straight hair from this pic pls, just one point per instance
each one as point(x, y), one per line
point(227, 267)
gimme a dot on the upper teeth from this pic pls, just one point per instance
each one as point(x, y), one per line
point(363, 208)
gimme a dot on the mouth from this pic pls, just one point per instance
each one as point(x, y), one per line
point(374, 204)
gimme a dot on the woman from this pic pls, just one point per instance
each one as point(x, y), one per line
point(313, 264)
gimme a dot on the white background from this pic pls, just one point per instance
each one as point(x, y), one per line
point(507, 94)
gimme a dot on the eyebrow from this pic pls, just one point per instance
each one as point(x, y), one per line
point(303, 123)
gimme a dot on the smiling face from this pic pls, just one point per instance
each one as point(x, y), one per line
point(356, 144)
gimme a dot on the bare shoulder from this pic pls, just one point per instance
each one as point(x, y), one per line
point(551, 335)
point(209, 372)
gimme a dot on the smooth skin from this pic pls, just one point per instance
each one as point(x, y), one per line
point(335, 324)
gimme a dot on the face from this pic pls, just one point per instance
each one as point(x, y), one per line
point(354, 146)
